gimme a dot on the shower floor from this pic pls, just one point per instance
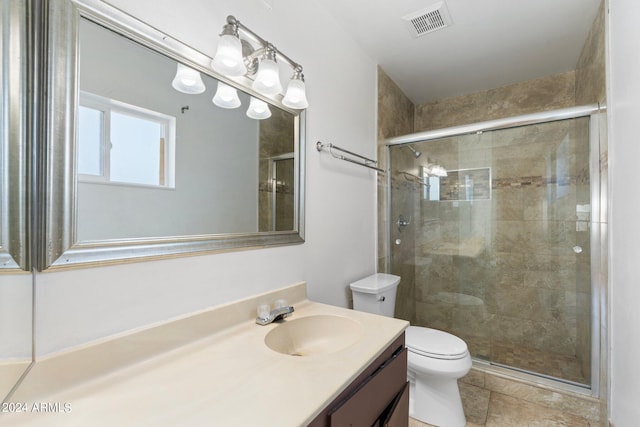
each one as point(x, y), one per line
point(547, 363)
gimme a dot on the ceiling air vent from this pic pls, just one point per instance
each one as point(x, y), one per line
point(433, 18)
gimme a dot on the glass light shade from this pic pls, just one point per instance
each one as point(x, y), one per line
point(228, 58)
point(296, 96)
point(267, 80)
point(187, 80)
point(226, 96)
point(258, 109)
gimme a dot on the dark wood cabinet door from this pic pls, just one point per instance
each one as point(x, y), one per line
point(363, 408)
point(399, 414)
point(323, 419)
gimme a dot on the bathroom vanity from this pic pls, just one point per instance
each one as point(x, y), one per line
point(337, 367)
point(378, 397)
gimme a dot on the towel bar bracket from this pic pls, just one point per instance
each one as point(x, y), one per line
point(363, 161)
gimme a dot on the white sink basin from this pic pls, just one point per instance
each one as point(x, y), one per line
point(313, 335)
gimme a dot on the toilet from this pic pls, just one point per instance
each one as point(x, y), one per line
point(435, 359)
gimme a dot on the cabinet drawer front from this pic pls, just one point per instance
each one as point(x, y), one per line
point(364, 407)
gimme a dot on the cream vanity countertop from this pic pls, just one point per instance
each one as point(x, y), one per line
point(210, 369)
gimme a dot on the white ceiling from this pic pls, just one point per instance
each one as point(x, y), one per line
point(491, 43)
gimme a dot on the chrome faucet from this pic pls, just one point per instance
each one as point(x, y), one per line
point(275, 314)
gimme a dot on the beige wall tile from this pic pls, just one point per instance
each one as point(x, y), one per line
point(395, 110)
point(590, 70)
point(547, 93)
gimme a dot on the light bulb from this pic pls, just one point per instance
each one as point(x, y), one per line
point(228, 58)
point(258, 109)
point(226, 96)
point(187, 80)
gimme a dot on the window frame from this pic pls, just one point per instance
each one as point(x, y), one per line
point(108, 106)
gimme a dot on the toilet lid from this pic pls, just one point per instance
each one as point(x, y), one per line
point(376, 283)
point(434, 343)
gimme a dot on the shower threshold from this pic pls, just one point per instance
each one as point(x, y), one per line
point(533, 378)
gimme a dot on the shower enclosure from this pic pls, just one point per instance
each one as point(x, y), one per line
point(492, 231)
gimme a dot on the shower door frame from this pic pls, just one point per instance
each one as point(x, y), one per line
point(598, 236)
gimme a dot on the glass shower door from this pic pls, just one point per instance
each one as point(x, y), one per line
point(498, 251)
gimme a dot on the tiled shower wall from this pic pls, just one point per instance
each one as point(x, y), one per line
point(395, 117)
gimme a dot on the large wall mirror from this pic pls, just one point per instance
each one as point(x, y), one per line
point(15, 282)
point(13, 124)
point(139, 169)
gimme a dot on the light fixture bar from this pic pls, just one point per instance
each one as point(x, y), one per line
point(256, 38)
point(241, 52)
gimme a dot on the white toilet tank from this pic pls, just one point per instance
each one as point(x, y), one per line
point(376, 294)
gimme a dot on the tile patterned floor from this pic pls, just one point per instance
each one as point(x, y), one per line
point(489, 401)
point(507, 411)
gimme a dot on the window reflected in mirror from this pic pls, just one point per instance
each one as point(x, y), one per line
point(156, 156)
point(121, 143)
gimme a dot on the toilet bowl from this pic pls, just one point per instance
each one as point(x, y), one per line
point(435, 359)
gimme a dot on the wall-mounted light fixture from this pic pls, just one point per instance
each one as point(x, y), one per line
point(228, 59)
point(267, 80)
point(236, 56)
